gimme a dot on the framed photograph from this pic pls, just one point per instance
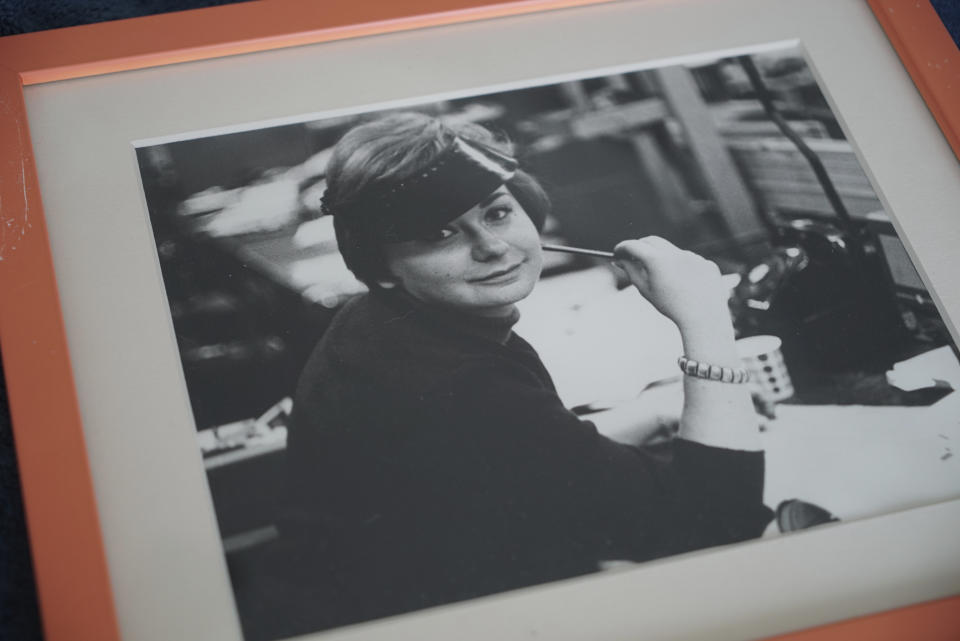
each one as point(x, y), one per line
point(255, 424)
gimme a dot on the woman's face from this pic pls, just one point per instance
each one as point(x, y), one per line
point(482, 262)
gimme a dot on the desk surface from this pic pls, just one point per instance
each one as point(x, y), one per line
point(859, 461)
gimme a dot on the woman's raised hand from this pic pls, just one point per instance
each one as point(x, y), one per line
point(688, 290)
point(683, 286)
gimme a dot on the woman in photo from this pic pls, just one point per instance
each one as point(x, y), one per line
point(430, 458)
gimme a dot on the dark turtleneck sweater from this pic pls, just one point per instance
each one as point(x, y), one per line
point(430, 460)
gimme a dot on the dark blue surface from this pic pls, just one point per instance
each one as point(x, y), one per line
point(949, 12)
point(19, 620)
point(25, 16)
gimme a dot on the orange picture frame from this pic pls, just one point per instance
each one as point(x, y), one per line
point(58, 493)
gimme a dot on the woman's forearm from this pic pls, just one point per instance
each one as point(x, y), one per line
point(716, 413)
point(688, 290)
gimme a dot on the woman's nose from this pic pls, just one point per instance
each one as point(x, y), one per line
point(488, 245)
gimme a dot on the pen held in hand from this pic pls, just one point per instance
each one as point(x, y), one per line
point(578, 250)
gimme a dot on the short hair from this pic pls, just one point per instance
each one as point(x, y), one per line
point(381, 154)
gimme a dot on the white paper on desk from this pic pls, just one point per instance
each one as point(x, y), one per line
point(926, 369)
point(599, 344)
point(860, 461)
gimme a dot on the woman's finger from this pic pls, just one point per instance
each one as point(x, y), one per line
point(659, 241)
point(631, 266)
point(638, 250)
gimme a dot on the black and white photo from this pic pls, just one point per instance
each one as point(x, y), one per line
point(457, 346)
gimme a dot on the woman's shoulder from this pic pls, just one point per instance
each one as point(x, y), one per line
point(386, 344)
point(375, 325)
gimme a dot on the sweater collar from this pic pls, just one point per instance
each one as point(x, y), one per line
point(497, 329)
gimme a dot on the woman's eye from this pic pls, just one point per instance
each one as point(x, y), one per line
point(441, 234)
point(498, 213)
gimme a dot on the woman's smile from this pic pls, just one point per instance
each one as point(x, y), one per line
point(501, 276)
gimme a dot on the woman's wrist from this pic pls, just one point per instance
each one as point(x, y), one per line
point(710, 341)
